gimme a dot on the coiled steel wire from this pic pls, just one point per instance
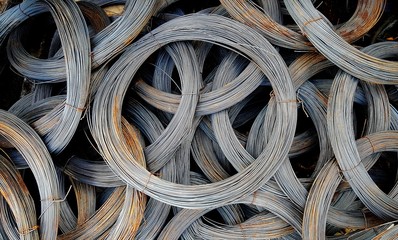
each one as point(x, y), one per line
point(16, 194)
point(357, 26)
point(223, 122)
point(328, 180)
point(357, 63)
point(347, 155)
point(31, 147)
point(105, 45)
point(211, 194)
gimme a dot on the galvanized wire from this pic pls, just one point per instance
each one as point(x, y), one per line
point(320, 196)
point(355, 62)
point(343, 141)
point(209, 102)
point(106, 121)
point(262, 226)
point(73, 32)
point(48, 70)
point(156, 213)
point(194, 86)
point(76, 48)
point(17, 14)
point(19, 200)
point(102, 220)
point(272, 202)
point(106, 44)
point(357, 26)
point(31, 147)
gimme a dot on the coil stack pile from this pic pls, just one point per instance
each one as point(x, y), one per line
point(230, 119)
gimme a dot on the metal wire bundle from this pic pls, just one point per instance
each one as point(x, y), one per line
point(301, 70)
point(48, 70)
point(14, 191)
point(271, 201)
point(257, 227)
point(248, 13)
point(161, 150)
point(29, 144)
point(209, 102)
point(389, 233)
point(17, 14)
point(344, 148)
point(142, 179)
point(106, 44)
point(156, 212)
point(132, 212)
point(328, 180)
point(287, 183)
point(315, 107)
point(370, 232)
point(74, 37)
point(127, 211)
point(73, 32)
point(359, 64)
point(102, 220)
point(95, 173)
point(196, 127)
point(99, 174)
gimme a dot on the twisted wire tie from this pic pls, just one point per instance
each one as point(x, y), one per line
point(22, 11)
point(307, 23)
point(154, 38)
point(350, 169)
point(54, 200)
point(93, 61)
point(28, 231)
point(147, 182)
point(342, 171)
point(78, 109)
point(371, 144)
point(312, 20)
point(66, 163)
point(272, 95)
point(301, 102)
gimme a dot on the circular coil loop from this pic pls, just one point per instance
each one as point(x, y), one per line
point(348, 58)
point(357, 26)
point(105, 123)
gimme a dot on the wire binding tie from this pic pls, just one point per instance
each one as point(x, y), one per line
point(272, 95)
point(78, 109)
point(156, 40)
point(349, 170)
point(311, 21)
point(307, 23)
point(22, 11)
point(94, 63)
point(147, 182)
point(54, 200)
point(189, 94)
point(28, 231)
point(301, 102)
point(371, 144)
point(342, 177)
